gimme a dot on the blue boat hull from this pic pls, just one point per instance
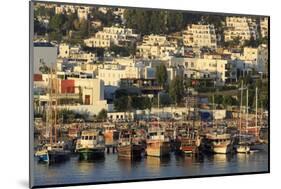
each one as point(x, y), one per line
point(43, 158)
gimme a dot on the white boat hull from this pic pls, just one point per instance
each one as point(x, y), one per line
point(221, 149)
point(243, 149)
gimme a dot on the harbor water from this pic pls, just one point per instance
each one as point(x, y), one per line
point(112, 168)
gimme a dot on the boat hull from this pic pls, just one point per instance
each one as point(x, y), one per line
point(217, 144)
point(188, 149)
point(91, 153)
point(43, 158)
point(221, 149)
point(129, 151)
point(58, 156)
point(242, 149)
point(53, 156)
point(158, 148)
point(189, 146)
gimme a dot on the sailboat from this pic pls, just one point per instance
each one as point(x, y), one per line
point(189, 139)
point(242, 146)
point(216, 140)
point(258, 144)
point(54, 151)
point(158, 144)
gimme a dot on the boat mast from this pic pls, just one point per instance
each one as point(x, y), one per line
point(247, 95)
point(213, 103)
point(256, 125)
point(240, 114)
point(50, 106)
point(158, 109)
point(56, 102)
point(48, 110)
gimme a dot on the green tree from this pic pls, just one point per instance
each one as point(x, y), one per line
point(164, 100)
point(121, 103)
point(161, 75)
point(67, 115)
point(176, 89)
point(157, 22)
point(218, 99)
point(102, 115)
point(235, 42)
point(147, 103)
point(44, 68)
point(57, 21)
point(252, 42)
point(229, 101)
point(122, 51)
point(174, 21)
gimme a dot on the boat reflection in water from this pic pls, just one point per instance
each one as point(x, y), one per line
point(87, 166)
point(155, 163)
point(242, 157)
point(128, 164)
point(222, 158)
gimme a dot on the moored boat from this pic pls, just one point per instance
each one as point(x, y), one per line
point(157, 144)
point(218, 143)
point(90, 145)
point(189, 141)
point(128, 147)
point(243, 148)
point(52, 153)
point(110, 134)
point(189, 145)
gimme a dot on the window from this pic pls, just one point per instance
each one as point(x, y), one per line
point(86, 137)
point(87, 99)
point(90, 137)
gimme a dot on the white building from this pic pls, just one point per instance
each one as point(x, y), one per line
point(97, 42)
point(154, 40)
point(111, 74)
point(242, 27)
point(65, 9)
point(75, 53)
point(200, 35)
point(83, 12)
point(119, 116)
point(264, 26)
point(92, 93)
point(258, 57)
point(111, 35)
point(249, 60)
point(207, 67)
point(155, 46)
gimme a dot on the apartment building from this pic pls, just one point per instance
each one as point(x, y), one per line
point(111, 35)
point(74, 53)
point(206, 67)
point(264, 27)
point(240, 27)
point(111, 74)
point(200, 35)
point(155, 46)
